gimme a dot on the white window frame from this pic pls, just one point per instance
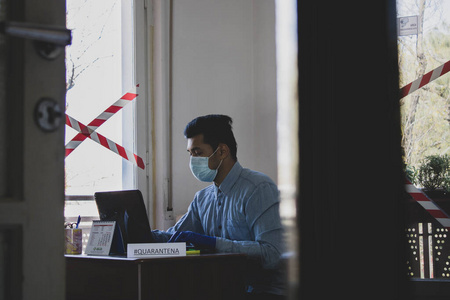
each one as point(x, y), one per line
point(140, 140)
point(143, 66)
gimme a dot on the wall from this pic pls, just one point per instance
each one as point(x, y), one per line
point(223, 61)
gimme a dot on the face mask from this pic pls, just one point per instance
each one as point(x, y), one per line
point(201, 171)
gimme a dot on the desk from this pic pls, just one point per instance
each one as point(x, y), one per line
point(206, 276)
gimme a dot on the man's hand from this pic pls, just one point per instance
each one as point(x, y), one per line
point(199, 240)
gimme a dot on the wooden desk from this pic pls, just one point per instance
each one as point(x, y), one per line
point(207, 276)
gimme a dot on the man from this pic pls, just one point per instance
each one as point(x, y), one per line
point(239, 213)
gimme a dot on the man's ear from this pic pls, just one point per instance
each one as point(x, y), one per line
point(224, 151)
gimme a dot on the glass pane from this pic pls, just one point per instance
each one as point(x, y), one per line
point(424, 46)
point(95, 68)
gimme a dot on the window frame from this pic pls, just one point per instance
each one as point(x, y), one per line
point(141, 14)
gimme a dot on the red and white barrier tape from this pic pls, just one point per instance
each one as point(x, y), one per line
point(100, 119)
point(425, 79)
point(434, 210)
point(89, 131)
point(105, 142)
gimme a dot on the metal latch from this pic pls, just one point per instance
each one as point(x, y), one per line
point(60, 36)
point(49, 40)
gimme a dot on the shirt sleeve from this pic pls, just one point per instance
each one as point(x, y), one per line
point(263, 217)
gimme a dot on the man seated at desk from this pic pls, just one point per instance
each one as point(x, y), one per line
point(239, 213)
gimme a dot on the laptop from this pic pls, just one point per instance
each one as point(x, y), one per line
point(128, 210)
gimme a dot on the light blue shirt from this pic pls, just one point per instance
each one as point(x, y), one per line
point(243, 214)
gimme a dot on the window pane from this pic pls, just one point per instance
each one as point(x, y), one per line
point(95, 66)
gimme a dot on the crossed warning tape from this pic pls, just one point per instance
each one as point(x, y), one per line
point(89, 131)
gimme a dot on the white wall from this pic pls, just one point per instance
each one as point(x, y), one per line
point(223, 62)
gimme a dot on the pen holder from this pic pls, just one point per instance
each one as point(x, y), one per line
point(73, 241)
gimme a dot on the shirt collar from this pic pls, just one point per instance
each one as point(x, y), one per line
point(230, 179)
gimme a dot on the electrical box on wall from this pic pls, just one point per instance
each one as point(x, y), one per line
point(168, 214)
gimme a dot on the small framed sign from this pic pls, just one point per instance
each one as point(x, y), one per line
point(101, 237)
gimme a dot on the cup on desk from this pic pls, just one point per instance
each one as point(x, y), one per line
point(73, 240)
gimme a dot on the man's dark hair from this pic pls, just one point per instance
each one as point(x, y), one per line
point(216, 129)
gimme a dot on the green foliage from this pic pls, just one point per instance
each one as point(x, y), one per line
point(434, 172)
point(411, 174)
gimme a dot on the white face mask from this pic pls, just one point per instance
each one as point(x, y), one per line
point(201, 171)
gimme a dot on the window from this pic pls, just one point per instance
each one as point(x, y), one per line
point(96, 67)
point(101, 69)
point(424, 45)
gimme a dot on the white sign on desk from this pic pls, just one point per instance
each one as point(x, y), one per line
point(156, 250)
point(101, 236)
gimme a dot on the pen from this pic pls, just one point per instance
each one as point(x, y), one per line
point(78, 221)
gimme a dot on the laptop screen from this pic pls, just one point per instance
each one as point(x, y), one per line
point(128, 210)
